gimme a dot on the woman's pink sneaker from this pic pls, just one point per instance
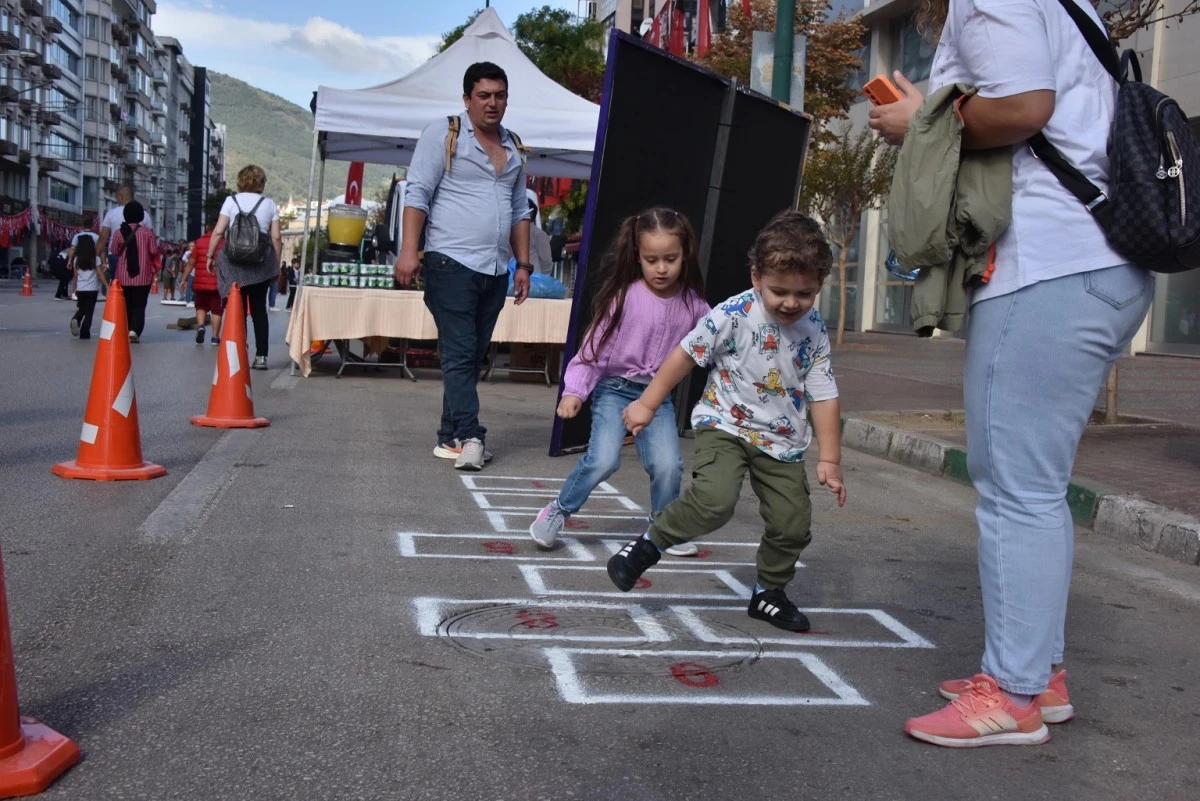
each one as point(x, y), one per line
point(981, 715)
point(1055, 702)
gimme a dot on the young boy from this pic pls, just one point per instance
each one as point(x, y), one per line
point(767, 353)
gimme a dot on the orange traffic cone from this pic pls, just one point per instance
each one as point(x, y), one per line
point(154, 285)
point(27, 285)
point(110, 447)
point(32, 756)
point(231, 402)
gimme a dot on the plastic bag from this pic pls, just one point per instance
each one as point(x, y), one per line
point(541, 285)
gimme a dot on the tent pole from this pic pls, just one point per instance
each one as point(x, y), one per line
point(312, 170)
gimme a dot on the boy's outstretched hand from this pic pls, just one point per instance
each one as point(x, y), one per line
point(637, 416)
point(830, 475)
point(569, 406)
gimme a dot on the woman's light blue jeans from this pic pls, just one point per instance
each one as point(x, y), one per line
point(1036, 359)
point(657, 446)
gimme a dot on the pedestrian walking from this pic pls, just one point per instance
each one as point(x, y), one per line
point(112, 220)
point(201, 275)
point(254, 274)
point(767, 353)
point(466, 192)
point(1060, 307)
point(170, 274)
point(62, 274)
point(273, 289)
point(138, 259)
point(652, 296)
point(88, 279)
point(293, 281)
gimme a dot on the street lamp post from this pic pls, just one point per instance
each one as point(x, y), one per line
point(781, 76)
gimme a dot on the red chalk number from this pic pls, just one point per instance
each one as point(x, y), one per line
point(499, 547)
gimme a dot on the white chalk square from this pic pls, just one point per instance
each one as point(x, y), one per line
point(831, 628)
point(431, 613)
point(679, 584)
point(487, 547)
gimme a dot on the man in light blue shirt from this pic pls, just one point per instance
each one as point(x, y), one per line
point(475, 217)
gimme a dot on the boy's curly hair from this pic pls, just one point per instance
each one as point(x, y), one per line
point(792, 243)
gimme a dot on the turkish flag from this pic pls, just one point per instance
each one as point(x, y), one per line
point(354, 184)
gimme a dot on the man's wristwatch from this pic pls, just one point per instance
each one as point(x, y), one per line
point(523, 266)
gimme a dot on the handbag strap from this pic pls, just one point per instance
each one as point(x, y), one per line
point(1090, 195)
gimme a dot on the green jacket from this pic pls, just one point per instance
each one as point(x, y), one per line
point(946, 208)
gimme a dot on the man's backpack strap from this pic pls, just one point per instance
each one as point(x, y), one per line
point(522, 151)
point(451, 138)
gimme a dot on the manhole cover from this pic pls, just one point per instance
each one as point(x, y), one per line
point(517, 634)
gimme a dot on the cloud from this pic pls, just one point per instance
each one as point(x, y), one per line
point(289, 60)
point(341, 48)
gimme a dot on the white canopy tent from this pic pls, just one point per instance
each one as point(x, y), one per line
point(381, 124)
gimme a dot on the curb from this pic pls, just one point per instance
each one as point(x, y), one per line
point(1128, 518)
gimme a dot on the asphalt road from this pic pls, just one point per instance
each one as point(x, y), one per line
point(274, 620)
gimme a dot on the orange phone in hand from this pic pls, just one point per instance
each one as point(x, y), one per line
point(881, 91)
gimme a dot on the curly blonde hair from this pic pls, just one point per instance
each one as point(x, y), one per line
point(252, 178)
point(931, 16)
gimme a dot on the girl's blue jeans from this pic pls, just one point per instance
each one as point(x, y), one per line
point(657, 446)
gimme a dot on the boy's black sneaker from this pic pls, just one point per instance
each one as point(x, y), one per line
point(200, 335)
point(774, 607)
point(628, 565)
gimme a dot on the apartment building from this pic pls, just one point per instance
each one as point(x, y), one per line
point(176, 164)
point(41, 91)
point(880, 301)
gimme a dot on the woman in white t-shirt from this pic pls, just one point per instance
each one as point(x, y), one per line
point(253, 279)
point(1060, 308)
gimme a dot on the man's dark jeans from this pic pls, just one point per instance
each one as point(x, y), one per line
point(465, 305)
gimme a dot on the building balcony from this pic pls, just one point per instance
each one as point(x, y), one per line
point(185, 165)
point(24, 156)
point(158, 141)
point(114, 110)
point(9, 41)
point(32, 57)
point(52, 24)
point(52, 71)
point(33, 7)
point(131, 160)
point(120, 35)
point(48, 165)
point(110, 185)
point(8, 93)
point(160, 77)
point(119, 74)
point(186, 108)
point(51, 118)
point(117, 149)
point(8, 148)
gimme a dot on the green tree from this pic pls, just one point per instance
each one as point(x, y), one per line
point(213, 203)
point(843, 179)
point(831, 60)
point(573, 207)
point(568, 50)
point(316, 244)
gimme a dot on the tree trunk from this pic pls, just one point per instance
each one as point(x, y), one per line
point(842, 264)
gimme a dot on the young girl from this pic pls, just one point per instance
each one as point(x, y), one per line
point(82, 261)
point(651, 297)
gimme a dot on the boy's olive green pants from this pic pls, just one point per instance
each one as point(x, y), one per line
point(708, 503)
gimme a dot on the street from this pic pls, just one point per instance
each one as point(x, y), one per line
point(322, 610)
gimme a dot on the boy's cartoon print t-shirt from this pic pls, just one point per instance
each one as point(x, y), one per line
point(761, 374)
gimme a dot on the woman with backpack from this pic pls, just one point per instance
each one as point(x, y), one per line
point(249, 226)
point(138, 259)
point(1059, 307)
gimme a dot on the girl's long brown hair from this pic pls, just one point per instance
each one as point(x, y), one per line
point(621, 268)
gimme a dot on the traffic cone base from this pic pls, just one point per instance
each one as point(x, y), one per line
point(208, 421)
point(73, 469)
point(45, 755)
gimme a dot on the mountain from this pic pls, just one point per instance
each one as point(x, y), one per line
point(276, 134)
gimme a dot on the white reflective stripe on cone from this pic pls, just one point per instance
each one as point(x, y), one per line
point(216, 372)
point(89, 433)
point(124, 400)
point(107, 329)
point(235, 361)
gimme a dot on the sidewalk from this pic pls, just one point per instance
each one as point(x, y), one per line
point(1137, 480)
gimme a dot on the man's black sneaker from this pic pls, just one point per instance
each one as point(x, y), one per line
point(627, 566)
point(774, 607)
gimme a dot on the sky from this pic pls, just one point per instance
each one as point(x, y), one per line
point(289, 47)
